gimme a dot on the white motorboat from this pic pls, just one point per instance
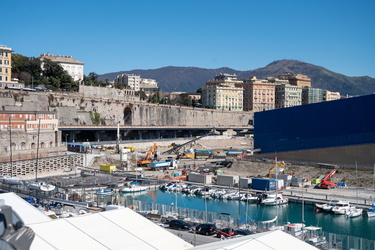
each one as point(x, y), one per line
point(328, 207)
point(40, 186)
point(273, 199)
point(133, 188)
point(371, 212)
point(341, 207)
point(6, 179)
point(354, 212)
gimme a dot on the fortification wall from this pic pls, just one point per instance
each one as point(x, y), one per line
point(78, 109)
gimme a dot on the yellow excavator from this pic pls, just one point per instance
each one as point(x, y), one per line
point(279, 164)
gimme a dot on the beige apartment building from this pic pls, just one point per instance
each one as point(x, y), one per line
point(288, 95)
point(331, 96)
point(222, 93)
point(296, 79)
point(258, 94)
point(6, 69)
point(133, 81)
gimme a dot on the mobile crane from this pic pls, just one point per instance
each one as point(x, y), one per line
point(326, 182)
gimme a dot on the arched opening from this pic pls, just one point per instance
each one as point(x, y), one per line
point(23, 145)
point(14, 146)
point(33, 145)
point(51, 144)
point(42, 145)
point(127, 116)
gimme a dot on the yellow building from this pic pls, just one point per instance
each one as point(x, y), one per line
point(6, 68)
point(222, 93)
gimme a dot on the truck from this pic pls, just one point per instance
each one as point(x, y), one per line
point(203, 154)
point(168, 164)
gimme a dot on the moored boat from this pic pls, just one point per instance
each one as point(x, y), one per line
point(133, 188)
point(6, 179)
point(354, 212)
point(103, 191)
point(371, 212)
point(40, 186)
point(341, 207)
point(273, 199)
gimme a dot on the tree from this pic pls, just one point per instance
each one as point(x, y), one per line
point(141, 94)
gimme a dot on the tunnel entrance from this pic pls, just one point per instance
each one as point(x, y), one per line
point(127, 116)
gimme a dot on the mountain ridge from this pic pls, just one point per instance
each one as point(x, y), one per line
point(189, 79)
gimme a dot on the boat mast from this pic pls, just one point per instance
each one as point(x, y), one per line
point(10, 148)
point(37, 153)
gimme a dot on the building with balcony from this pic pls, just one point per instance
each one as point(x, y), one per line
point(6, 69)
point(72, 66)
point(288, 96)
point(296, 79)
point(258, 94)
point(149, 86)
point(222, 93)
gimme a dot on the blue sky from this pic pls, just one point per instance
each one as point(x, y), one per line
point(115, 35)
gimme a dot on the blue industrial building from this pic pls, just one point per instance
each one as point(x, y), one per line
point(340, 123)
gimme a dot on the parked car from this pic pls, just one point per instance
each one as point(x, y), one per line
point(242, 232)
point(180, 224)
point(207, 229)
point(225, 232)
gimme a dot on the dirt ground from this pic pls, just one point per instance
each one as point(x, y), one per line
point(244, 168)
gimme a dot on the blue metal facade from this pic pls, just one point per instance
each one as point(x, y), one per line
point(342, 122)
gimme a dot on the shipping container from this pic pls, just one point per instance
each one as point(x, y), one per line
point(200, 178)
point(263, 184)
point(245, 182)
point(107, 168)
point(228, 180)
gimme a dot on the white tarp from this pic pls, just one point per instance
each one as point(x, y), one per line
point(268, 240)
point(27, 213)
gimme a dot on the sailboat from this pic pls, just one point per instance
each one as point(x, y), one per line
point(371, 212)
point(39, 186)
point(355, 211)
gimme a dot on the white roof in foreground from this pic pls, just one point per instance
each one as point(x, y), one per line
point(268, 240)
point(27, 213)
point(115, 229)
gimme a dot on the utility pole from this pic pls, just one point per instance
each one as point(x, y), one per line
point(118, 139)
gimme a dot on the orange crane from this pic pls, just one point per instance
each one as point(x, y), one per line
point(326, 182)
point(146, 160)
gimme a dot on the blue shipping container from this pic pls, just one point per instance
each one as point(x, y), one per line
point(263, 184)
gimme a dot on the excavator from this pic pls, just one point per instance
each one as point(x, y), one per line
point(146, 160)
point(326, 182)
point(279, 164)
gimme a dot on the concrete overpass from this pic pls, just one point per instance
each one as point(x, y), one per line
point(109, 133)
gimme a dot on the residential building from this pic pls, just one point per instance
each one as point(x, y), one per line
point(288, 95)
point(311, 95)
point(133, 81)
point(72, 66)
point(149, 86)
point(6, 69)
point(258, 94)
point(331, 96)
point(222, 93)
point(296, 79)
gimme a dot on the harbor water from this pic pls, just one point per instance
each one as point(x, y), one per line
point(362, 227)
